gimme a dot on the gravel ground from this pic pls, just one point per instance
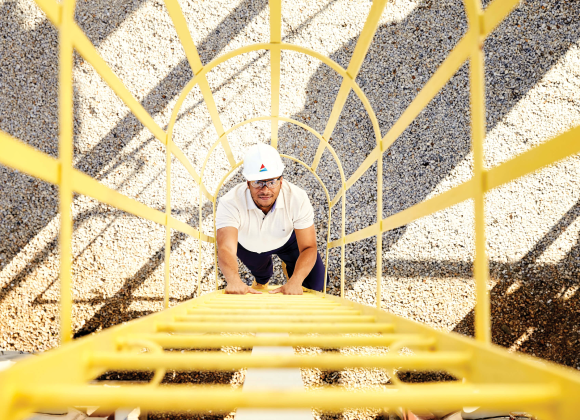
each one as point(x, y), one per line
point(532, 82)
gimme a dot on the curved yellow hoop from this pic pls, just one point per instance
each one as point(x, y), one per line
point(352, 84)
point(289, 120)
point(267, 46)
point(153, 348)
point(330, 203)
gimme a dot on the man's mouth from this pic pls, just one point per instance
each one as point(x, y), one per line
point(264, 197)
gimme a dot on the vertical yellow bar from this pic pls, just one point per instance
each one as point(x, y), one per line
point(379, 219)
point(66, 161)
point(275, 58)
point(215, 264)
point(166, 287)
point(343, 246)
point(477, 90)
point(327, 249)
point(200, 227)
point(358, 55)
point(275, 21)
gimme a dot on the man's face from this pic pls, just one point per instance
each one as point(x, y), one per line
point(265, 197)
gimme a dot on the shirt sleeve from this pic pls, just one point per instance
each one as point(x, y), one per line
point(305, 217)
point(227, 215)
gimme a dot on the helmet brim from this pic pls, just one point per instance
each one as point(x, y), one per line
point(259, 176)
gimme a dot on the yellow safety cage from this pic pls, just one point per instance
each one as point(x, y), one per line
point(491, 377)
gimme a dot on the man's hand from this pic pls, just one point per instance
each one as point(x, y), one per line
point(227, 241)
point(290, 288)
point(239, 288)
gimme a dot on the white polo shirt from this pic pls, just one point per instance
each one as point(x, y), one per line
point(259, 232)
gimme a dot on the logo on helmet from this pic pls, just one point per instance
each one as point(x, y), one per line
point(263, 168)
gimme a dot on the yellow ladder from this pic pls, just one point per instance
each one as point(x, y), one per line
point(487, 376)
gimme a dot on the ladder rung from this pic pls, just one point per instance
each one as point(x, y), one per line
point(324, 341)
point(277, 318)
point(288, 327)
point(202, 311)
point(223, 398)
point(266, 295)
point(272, 301)
point(221, 361)
point(270, 306)
point(276, 300)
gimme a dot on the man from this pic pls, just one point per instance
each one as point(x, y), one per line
point(267, 215)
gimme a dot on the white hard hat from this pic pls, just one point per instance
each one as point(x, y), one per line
point(262, 161)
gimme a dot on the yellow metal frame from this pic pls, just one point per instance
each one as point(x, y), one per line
point(491, 377)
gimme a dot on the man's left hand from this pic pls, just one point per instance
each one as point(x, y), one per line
point(289, 288)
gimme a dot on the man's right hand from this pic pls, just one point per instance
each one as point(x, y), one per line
point(239, 288)
point(227, 240)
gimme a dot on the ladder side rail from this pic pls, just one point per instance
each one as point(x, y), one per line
point(478, 131)
point(490, 364)
point(27, 159)
point(548, 153)
point(275, 65)
point(65, 157)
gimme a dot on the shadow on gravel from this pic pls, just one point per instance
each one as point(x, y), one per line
point(28, 94)
point(402, 58)
point(535, 307)
point(116, 309)
point(92, 163)
point(540, 317)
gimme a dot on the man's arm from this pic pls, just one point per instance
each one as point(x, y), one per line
point(227, 241)
point(306, 239)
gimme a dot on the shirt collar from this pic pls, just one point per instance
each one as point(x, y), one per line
point(278, 204)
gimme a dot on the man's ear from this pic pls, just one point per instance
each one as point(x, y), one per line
point(248, 184)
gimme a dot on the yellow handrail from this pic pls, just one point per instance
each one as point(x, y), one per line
point(65, 152)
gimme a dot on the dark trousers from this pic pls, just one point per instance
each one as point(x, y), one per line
point(262, 268)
